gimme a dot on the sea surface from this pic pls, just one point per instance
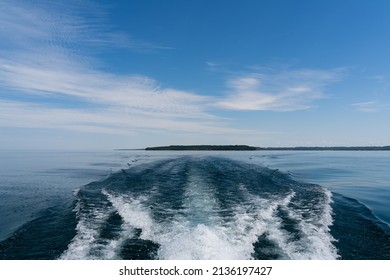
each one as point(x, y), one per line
point(135, 204)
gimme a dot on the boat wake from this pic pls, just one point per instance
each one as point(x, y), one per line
point(202, 208)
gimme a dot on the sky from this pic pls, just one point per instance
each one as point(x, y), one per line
point(131, 74)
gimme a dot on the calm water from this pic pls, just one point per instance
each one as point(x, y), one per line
point(194, 205)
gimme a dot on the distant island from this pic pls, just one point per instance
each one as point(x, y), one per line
point(251, 148)
point(203, 148)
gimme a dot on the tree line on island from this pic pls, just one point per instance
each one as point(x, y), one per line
point(251, 148)
point(202, 148)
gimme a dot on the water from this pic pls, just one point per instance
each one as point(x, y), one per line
point(194, 205)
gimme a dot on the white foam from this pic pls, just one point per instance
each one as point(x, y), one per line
point(315, 241)
point(133, 212)
point(88, 244)
point(200, 231)
point(200, 202)
point(85, 241)
point(184, 242)
point(217, 238)
point(259, 216)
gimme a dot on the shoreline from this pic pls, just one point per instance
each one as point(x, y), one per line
point(251, 148)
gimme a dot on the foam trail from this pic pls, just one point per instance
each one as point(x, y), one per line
point(134, 213)
point(196, 216)
point(256, 217)
point(200, 202)
point(86, 242)
point(231, 240)
point(201, 233)
point(312, 219)
point(316, 240)
point(198, 232)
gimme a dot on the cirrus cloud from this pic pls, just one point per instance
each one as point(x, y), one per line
point(278, 91)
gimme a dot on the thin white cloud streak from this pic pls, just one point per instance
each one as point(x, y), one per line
point(113, 120)
point(39, 64)
point(115, 104)
point(370, 106)
point(279, 91)
point(77, 81)
point(64, 26)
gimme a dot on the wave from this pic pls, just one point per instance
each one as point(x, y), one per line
point(195, 207)
point(360, 234)
point(202, 208)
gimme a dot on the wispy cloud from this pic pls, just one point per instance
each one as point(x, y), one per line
point(113, 120)
point(110, 103)
point(70, 26)
point(60, 78)
point(278, 91)
point(47, 81)
point(370, 106)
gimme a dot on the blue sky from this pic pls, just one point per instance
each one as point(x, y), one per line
point(131, 74)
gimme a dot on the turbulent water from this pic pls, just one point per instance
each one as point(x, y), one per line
point(201, 206)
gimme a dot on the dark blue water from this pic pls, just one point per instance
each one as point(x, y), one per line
point(171, 205)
